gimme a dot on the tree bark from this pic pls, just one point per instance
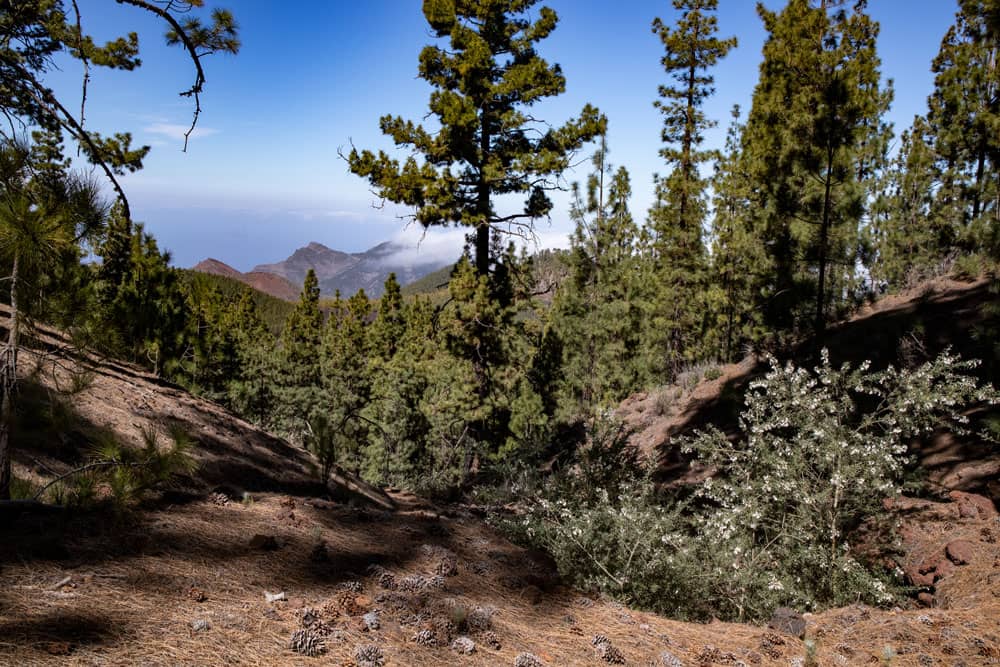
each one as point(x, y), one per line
point(8, 385)
point(824, 235)
point(483, 200)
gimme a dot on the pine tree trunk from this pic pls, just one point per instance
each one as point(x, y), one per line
point(8, 385)
point(980, 168)
point(483, 202)
point(824, 235)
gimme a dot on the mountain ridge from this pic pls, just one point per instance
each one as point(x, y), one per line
point(268, 283)
point(336, 270)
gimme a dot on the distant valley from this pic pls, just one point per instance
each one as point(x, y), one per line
point(336, 270)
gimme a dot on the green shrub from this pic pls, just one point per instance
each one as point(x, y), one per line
point(122, 474)
point(968, 267)
point(820, 449)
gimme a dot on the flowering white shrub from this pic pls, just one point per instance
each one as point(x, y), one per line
point(818, 452)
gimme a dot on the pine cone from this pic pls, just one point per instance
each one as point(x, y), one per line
point(480, 619)
point(351, 586)
point(668, 659)
point(414, 582)
point(369, 656)
point(447, 566)
point(425, 638)
point(387, 580)
point(371, 621)
point(463, 645)
point(528, 660)
point(610, 654)
point(307, 643)
point(491, 640)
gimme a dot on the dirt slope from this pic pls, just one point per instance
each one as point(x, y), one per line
point(184, 586)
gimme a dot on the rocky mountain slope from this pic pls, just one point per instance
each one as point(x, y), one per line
point(349, 272)
point(268, 283)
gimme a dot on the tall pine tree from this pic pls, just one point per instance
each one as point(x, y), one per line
point(595, 313)
point(677, 321)
point(488, 145)
point(814, 141)
point(964, 120)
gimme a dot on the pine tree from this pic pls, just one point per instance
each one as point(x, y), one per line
point(488, 146)
point(301, 336)
point(813, 145)
point(338, 431)
point(397, 444)
point(299, 396)
point(738, 261)
point(676, 321)
point(595, 312)
point(691, 50)
point(41, 31)
point(142, 310)
point(964, 119)
point(911, 234)
point(251, 391)
point(212, 357)
point(41, 221)
point(388, 327)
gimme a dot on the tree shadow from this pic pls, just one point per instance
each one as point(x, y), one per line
point(61, 627)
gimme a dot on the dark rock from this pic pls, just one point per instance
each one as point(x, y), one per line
point(971, 505)
point(264, 542)
point(788, 621)
point(960, 552)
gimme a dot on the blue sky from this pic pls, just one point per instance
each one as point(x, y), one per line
point(263, 177)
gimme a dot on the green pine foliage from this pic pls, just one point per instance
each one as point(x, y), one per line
point(677, 260)
point(964, 118)
point(912, 233)
point(739, 261)
point(299, 395)
point(596, 312)
point(813, 146)
point(141, 305)
point(489, 146)
point(273, 311)
point(252, 390)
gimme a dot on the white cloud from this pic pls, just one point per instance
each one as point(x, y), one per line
point(433, 246)
point(177, 131)
point(442, 245)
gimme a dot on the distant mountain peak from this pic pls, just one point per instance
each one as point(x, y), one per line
point(349, 272)
point(268, 283)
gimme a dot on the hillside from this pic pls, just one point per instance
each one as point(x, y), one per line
point(185, 581)
point(349, 272)
point(549, 272)
point(273, 310)
point(268, 283)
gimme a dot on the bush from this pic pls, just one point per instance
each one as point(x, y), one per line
point(121, 475)
point(820, 449)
